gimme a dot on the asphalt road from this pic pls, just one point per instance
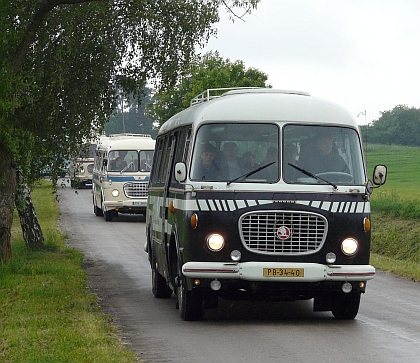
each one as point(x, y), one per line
point(387, 328)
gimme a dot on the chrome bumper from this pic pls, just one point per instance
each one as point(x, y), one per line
point(253, 271)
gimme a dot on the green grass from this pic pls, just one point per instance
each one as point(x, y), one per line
point(396, 210)
point(46, 312)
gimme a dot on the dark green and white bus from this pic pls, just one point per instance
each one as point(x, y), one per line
point(260, 194)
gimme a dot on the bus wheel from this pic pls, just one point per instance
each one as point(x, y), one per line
point(96, 210)
point(108, 215)
point(190, 305)
point(346, 306)
point(159, 287)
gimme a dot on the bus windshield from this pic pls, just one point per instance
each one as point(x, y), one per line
point(309, 154)
point(130, 160)
point(318, 154)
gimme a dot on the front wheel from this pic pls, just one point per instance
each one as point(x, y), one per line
point(346, 306)
point(190, 305)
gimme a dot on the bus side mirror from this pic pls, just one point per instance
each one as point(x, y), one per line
point(105, 162)
point(180, 172)
point(379, 174)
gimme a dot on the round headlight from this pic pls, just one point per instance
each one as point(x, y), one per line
point(115, 193)
point(349, 246)
point(215, 242)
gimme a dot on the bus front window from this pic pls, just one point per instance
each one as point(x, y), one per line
point(330, 153)
point(229, 151)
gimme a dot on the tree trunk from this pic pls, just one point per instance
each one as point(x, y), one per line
point(32, 232)
point(7, 200)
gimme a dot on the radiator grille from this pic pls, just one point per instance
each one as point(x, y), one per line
point(287, 233)
point(136, 190)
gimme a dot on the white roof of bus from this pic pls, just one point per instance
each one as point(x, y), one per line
point(263, 104)
point(127, 142)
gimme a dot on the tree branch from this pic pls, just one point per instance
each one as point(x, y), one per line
point(33, 27)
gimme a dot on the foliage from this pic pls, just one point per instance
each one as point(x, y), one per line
point(62, 61)
point(400, 126)
point(396, 210)
point(130, 116)
point(46, 312)
point(207, 71)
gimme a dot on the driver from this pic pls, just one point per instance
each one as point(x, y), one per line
point(325, 158)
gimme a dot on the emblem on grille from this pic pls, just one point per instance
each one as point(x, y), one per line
point(283, 233)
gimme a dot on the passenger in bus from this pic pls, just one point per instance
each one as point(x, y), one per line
point(290, 156)
point(206, 169)
point(324, 158)
point(249, 162)
point(120, 163)
point(270, 172)
point(230, 163)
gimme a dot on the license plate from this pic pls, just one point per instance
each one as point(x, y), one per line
point(284, 272)
point(138, 203)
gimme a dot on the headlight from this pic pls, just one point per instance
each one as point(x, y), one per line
point(115, 193)
point(215, 242)
point(349, 246)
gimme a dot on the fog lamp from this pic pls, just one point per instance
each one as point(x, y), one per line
point(215, 285)
point(347, 287)
point(115, 193)
point(349, 246)
point(215, 242)
point(330, 258)
point(235, 255)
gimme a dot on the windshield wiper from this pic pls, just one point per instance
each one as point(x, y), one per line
point(242, 177)
point(313, 175)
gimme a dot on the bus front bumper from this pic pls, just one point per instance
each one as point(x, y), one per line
point(278, 271)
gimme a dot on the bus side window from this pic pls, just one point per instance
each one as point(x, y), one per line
point(181, 145)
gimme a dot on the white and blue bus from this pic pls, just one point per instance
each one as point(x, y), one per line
point(260, 194)
point(121, 174)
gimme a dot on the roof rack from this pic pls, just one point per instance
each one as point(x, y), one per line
point(217, 92)
point(129, 135)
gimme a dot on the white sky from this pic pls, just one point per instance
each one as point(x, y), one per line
point(362, 54)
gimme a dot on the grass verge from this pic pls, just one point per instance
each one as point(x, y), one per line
point(46, 312)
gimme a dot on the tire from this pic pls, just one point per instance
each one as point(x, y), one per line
point(108, 215)
point(159, 287)
point(346, 306)
point(190, 305)
point(96, 210)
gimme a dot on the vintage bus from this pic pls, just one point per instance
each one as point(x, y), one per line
point(81, 168)
point(121, 174)
point(260, 194)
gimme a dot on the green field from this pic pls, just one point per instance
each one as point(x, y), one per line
point(396, 210)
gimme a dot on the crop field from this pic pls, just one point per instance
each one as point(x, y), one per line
point(396, 210)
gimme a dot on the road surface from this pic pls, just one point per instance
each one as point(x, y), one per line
point(387, 328)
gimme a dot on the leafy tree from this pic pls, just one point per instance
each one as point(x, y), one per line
point(400, 126)
point(207, 71)
point(130, 116)
point(61, 62)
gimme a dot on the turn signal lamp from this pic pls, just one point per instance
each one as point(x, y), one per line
point(194, 221)
point(366, 224)
point(171, 207)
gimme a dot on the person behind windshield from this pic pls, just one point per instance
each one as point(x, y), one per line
point(120, 163)
point(325, 158)
point(206, 168)
point(249, 162)
point(230, 163)
point(290, 156)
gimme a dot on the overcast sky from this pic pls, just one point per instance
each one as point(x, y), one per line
point(362, 54)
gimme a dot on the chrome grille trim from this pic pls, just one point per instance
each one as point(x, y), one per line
point(258, 231)
point(136, 190)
